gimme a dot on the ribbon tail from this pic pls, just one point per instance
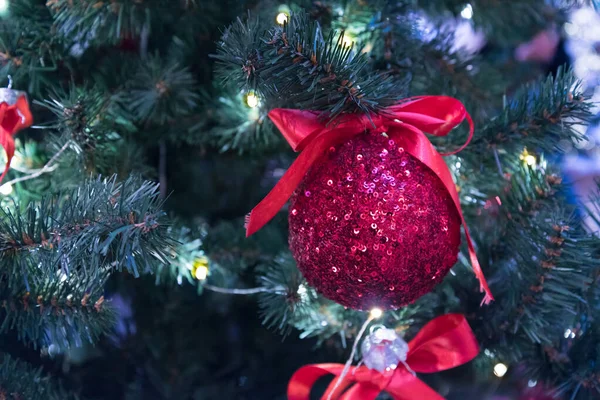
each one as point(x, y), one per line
point(416, 144)
point(483, 286)
point(304, 378)
point(443, 343)
point(471, 133)
point(406, 386)
point(8, 143)
point(283, 190)
point(361, 392)
point(340, 392)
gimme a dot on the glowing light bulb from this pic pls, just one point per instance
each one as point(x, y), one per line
point(500, 370)
point(571, 29)
point(532, 383)
point(376, 313)
point(200, 268)
point(6, 189)
point(4, 7)
point(301, 289)
point(347, 41)
point(467, 12)
point(569, 334)
point(282, 18)
point(528, 158)
point(201, 273)
point(252, 100)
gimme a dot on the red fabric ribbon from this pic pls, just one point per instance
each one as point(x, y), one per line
point(445, 342)
point(13, 118)
point(404, 122)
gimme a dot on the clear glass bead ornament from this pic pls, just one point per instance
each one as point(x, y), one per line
point(383, 350)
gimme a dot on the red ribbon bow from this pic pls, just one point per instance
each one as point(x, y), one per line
point(404, 122)
point(13, 118)
point(445, 342)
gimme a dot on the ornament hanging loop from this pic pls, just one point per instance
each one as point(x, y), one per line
point(375, 327)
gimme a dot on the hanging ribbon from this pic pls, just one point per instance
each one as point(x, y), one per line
point(405, 123)
point(13, 118)
point(445, 342)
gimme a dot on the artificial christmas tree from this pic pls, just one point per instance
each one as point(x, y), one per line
point(113, 286)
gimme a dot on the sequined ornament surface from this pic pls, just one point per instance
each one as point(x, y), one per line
point(371, 226)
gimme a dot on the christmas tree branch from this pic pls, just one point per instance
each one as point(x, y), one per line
point(48, 167)
point(160, 92)
point(538, 117)
point(57, 255)
point(540, 280)
point(101, 223)
point(491, 16)
point(229, 124)
point(28, 49)
point(296, 66)
point(97, 127)
point(108, 22)
point(64, 312)
point(19, 380)
point(242, 291)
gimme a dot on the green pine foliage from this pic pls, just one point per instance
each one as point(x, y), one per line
point(57, 255)
point(157, 90)
point(19, 380)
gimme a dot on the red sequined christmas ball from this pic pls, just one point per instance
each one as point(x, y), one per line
point(371, 226)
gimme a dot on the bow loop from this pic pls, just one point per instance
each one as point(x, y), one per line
point(433, 349)
point(436, 115)
point(296, 126)
point(300, 127)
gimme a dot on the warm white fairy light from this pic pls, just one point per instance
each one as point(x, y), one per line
point(252, 100)
point(4, 6)
point(532, 383)
point(199, 267)
point(467, 12)
point(528, 158)
point(376, 313)
point(301, 289)
point(201, 273)
point(282, 18)
point(6, 189)
point(347, 40)
point(569, 334)
point(571, 29)
point(62, 276)
point(500, 370)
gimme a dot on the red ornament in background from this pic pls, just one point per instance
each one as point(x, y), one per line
point(14, 116)
point(375, 215)
point(372, 226)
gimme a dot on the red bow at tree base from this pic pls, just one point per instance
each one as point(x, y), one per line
point(445, 342)
point(405, 123)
